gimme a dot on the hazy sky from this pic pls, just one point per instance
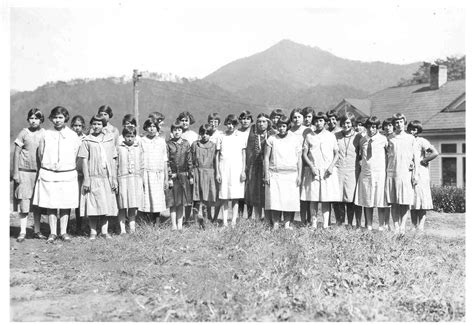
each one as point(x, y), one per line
point(48, 44)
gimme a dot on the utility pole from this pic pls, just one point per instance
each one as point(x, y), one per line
point(136, 77)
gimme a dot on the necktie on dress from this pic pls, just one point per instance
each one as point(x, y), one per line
point(369, 149)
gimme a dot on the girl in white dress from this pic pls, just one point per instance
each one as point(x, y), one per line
point(57, 186)
point(282, 166)
point(320, 182)
point(231, 169)
point(402, 174)
point(426, 152)
point(370, 192)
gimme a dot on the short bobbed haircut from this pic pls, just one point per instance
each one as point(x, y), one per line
point(246, 114)
point(276, 112)
point(332, 113)
point(149, 122)
point(415, 124)
point(398, 116)
point(296, 111)
point(157, 116)
point(372, 120)
point(214, 116)
point(129, 130)
point(129, 118)
point(187, 115)
point(78, 118)
point(59, 110)
point(107, 109)
point(176, 125)
point(308, 110)
point(347, 116)
point(35, 112)
point(206, 129)
point(387, 121)
point(99, 118)
point(284, 120)
point(361, 120)
point(318, 116)
point(231, 118)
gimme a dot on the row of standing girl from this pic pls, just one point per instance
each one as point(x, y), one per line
point(125, 173)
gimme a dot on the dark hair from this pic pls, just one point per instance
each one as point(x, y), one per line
point(98, 118)
point(361, 120)
point(129, 118)
point(284, 120)
point(415, 124)
point(320, 115)
point(246, 114)
point(37, 113)
point(398, 116)
point(276, 111)
point(157, 116)
point(205, 129)
point(188, 115)
point(269, 121)
point(372, 120)
point(214, 116)
point(149, 121)
point(347, 116)
point(332, 113)
point(294, 111)
point(80, 118)
point(308, 110)
point(231, 119)
point(127, 130)
point(107, 109)
point(59, 110)
point(176, 125)
point(387, 121)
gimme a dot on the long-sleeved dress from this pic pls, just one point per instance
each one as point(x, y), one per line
point(179, 171)
point(370, 190)
point(100, 153)
point(423, 199)
point(154, 157)
point(254, 156)
point(401, 158)
point(129, 175)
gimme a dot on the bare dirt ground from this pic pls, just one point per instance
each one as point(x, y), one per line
point(50, 282)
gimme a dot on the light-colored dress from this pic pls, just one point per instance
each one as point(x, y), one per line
point(56, 187)
point(283, 192)
point(100, 153)
point(370, 190)
point(317, 188)
point(28, 143)
point(129, 175)
point(400, 161)
point(154, 157)
point(423, 199)
point(347, 165)
point(109, 128)
point(230, 163)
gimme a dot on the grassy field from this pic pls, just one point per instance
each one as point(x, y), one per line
point(249, 273)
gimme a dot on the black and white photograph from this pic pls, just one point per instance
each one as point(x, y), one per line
point(235, 161)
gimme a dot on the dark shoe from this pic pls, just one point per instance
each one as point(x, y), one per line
point(21, 238)
point(39, 235)
point(66, 237)
point(51, 238)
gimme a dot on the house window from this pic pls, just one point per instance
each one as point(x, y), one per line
point(463, 148)
point(449, 173)
point(448, 148)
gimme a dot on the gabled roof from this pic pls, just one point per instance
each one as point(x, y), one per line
point(362, 105)
point(419, 102)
